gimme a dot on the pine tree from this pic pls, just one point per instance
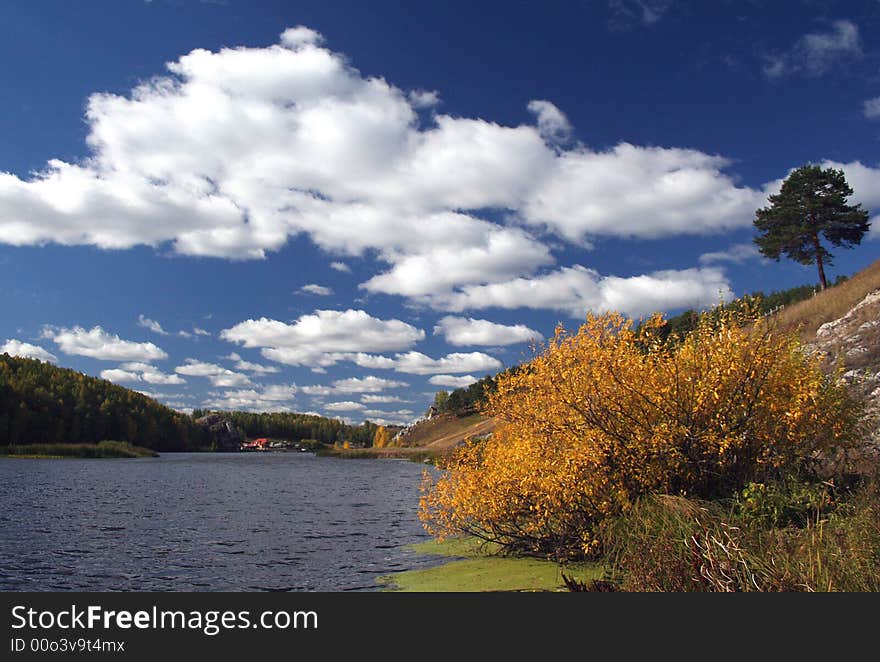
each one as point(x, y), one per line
point(810, 206)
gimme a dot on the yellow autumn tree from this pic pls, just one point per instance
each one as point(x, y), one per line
point(610, 413)
point(381, 438)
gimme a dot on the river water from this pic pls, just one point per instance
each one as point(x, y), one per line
point(207, 522)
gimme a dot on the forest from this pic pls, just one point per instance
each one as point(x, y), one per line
point(41, 403)
point(299, 427)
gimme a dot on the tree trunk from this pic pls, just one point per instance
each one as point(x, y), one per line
point(822, 283)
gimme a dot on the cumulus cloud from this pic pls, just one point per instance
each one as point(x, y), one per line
point(15, 347)
point(816, 53)
point(340, 266)
point(577, 290)
point(422, 99)
point(324, 338)
point(647, 192)
point(737, 253)
point(230, 153)
point(400, 413)
point(276, 397)
point(318, 290)
point(99, 344)
point(371, 399)
point(152, 325)
point(147, 373)
point(452, 381)
point(241, 364)
point(119, 376)
point(218, 375)
point(470, 331)
point(369, 384)
point(871, 108)
point(553, 125)
point(416, 363)
point(347, 405)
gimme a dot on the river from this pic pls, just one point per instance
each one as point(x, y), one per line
point(207, 522)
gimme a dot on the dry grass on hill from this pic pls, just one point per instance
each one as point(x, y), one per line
point(833, 303)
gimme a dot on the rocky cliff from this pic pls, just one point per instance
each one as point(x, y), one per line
point(225, 435)
point(852, 342)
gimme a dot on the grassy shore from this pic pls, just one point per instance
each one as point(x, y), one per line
point(470, 568)
point(412, 454)
point(103, 449)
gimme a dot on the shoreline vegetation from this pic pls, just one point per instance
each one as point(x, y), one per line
point(428, 456)
point(467, 565)
point(101, 450)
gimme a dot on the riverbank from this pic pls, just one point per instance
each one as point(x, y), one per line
point(471, 568)
point(103, 449)
point(425, 455)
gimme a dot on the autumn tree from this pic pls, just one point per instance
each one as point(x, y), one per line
point(611, 413)
point(810, 207)
point(382, 437)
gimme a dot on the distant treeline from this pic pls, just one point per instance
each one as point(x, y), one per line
point(298, 427)
point(41, 403)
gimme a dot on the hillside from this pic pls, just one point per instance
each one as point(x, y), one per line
point(843, 323)
point(41, 403)
point(832, 304)
point(443, 432)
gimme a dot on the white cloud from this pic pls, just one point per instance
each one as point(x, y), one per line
point(149, 374)
point(98, 344)
point(152, 325)
point(371, 399)
point(824, 49)
point(347, 405)
point(577, 290)
point(470, 331)
point(241, 364)
point(816, 53)
point(218, 375)
point(201, 332)
point(340, 266)
point(491, 254)
point(871, 108)
point(278, 397)
point(323, 338)
point(417, 363)
point(319, 290)
point(422, 99)
point(120, 376)
point(737, 253)
point(368, 384)
point(15, 347)
point(646, 192)
point(553, 125)
point(231, 153)
point(452, 381)
point(401, 413)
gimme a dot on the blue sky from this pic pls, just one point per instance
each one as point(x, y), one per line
point(341, 208)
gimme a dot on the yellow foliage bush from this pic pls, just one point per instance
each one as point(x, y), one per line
point(610, 413)
point(382, 437)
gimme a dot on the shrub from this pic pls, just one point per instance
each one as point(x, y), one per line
point(606, 415)
point(673, 544)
